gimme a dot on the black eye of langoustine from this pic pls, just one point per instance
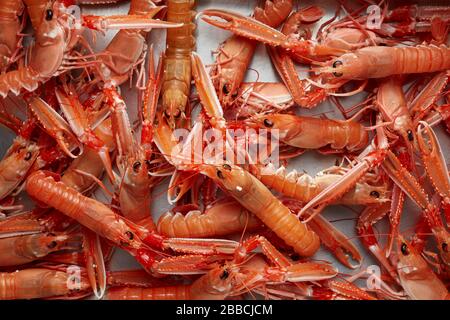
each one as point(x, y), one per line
point(227, 167)
point(130, 235)
point(220, 174)
point(52, 245)
point(444, 247)
point(410, 135)
point(404, 249)
point(177, 114)
point(28, 156)
point(166, 114)
point(49, 15)
point(225, 89)
point(224, 275)
point(268, 123)
point(375, 194)
point(136, 166)
point(336, 64)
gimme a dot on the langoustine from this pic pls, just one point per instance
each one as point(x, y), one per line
point(234, 55)
point(10, 38)
point(180, 42)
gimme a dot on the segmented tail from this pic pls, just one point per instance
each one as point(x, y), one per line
point(15, 81)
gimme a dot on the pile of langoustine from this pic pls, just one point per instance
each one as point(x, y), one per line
point(78, 129)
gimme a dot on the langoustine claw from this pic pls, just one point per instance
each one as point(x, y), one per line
point(253, 29)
